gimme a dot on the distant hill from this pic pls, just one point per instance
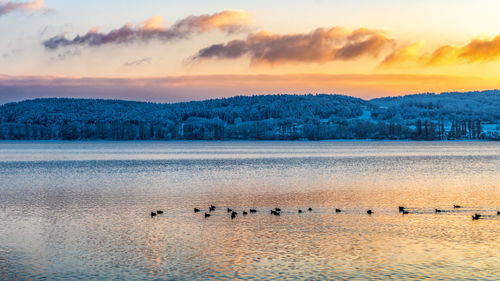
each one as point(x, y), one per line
point(471, 115)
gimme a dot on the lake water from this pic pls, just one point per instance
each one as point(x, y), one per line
point(81, 210)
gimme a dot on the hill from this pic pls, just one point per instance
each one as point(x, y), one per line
point(471, 115)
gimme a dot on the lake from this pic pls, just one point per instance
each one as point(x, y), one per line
point(81, 210)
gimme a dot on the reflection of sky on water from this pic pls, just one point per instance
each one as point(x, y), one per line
point(89, 219)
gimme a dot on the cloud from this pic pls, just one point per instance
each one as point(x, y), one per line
point(320, 45)
point(403, 54)
point(26, 7)
point(228, 21)
point(137, 62)
point(476, 51)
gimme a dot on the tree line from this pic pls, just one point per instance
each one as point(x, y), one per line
point(265, 117)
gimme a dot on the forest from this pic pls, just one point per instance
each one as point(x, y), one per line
point(445, 116)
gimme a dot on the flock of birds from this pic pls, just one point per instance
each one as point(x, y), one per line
point(277, 211)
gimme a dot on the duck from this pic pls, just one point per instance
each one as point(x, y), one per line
point(196, 210)
point(159, 212)
point(277, 209)
point(253, 211)
point(457, 206)
point(211, 208)
point(405, 212)
point(310, 209)
point(273, 212)
point(401, 209)
point(207, 215)
point(300, 211)
point(153, 214)
point(437, 211)
point(498, 213)
point(233, 214)
point(476, 216)
point(229, 210)
point(369, 212)
point(245, 213)
point(338, 210)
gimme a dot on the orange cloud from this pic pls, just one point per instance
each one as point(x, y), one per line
point(476, 51)
point(443, 55)
point(155, 22)
point(403, 54)
point(481, 50)
point(320, 45)
point(226, 21)
point(34, 6)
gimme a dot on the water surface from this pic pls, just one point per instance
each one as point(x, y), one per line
point(80, 210)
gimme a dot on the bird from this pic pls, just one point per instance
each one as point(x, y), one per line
point(338, 210)
point(245, 213)
point(405, 212)
point(300, 211)
point(310, 209)
point(196, 210)
point(233, 214)
point(498, 213)
point(401, 209)
point(369, 212)
point(277, 209)
point(211, 208)
point(253, 211)
point(207, 215)
point(273, 212)
point(153, 214)
point(437, 211)
point(457, 206)
point(476, 216)
point(229, 210)
point(159, 212)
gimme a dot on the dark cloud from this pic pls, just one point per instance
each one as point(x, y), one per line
point(226, 21)
point(320, 45)
point(27, 7)
point(137, 62)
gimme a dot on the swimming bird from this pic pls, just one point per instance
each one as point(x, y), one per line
point(273, 212)
point(211, 208)
point(233, 214)
point(310, 209)
point(196, 210)
point(253, 211)
point(498, 213)
point(405, 212)
point(159, 212)
point(277, 209)
point(369, 212)
point(437, 211)
point(338, 210)
point(245, 213)
point(207, 215)
point(457, 206)
point(229, 210)
point(401, 209)
point(153, 214)
point(476, 216)
point(300, 211)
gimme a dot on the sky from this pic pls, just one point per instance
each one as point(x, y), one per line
point(166, 51)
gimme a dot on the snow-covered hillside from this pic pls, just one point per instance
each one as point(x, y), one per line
point(471, 115)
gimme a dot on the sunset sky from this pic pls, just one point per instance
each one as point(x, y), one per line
point(159, 50)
